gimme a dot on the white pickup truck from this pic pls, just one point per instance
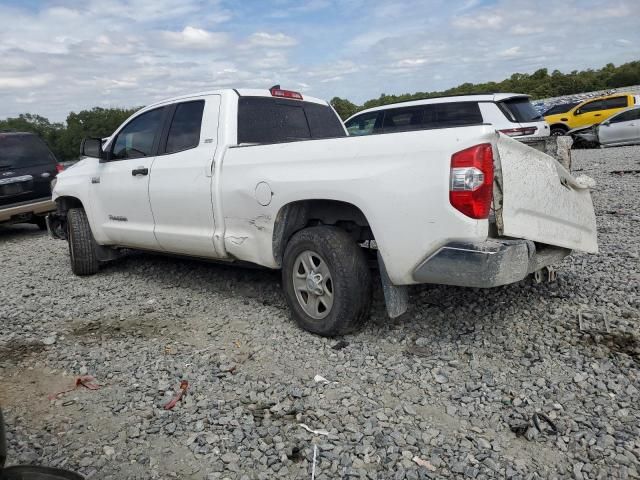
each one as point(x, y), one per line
point(271, 178)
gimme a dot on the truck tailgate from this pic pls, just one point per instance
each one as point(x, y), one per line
point(537, 199)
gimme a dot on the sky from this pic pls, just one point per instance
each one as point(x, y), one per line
point(69, 55)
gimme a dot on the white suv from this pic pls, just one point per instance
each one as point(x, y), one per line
point(510, 113)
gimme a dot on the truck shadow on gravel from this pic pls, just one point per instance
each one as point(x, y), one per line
point(19, 231)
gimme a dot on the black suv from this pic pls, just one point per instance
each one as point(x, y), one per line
point(27, 167)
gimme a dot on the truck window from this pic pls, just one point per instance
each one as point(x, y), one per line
point(184, 132)
point(323, 122)
point(17, 151)
point(136, 139)
point(275, 120)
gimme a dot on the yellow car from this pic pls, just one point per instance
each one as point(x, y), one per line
point(590, 112)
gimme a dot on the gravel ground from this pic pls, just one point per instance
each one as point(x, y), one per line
point(435, 394)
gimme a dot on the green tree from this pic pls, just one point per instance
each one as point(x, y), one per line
point(343, 107)
point(97, 122)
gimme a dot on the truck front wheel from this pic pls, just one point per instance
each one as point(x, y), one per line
point(326, 281)
point(82, 246)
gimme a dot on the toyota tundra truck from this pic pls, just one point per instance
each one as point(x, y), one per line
point(271, 178)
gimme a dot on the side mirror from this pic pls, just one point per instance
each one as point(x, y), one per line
point(577, 112)
point(606, 124)
point(92, 147)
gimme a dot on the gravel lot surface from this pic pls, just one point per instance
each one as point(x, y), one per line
point(434, 394)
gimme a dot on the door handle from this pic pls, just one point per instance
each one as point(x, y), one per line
point(597, 114)
point(140, 171)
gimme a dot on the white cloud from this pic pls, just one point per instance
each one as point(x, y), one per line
point(192, 37)
point(264, 39)
point(510, 52)
point(520, 29)
point(20, 83)
point(489, 20)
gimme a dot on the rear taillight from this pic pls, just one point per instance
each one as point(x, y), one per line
point(519, 132)
point(59, 167)
point(471, 187)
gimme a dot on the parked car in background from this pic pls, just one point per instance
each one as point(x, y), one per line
point(620, 129)
point(27, 168)
point(560, 108)
point(590, 112)
point(509, 113)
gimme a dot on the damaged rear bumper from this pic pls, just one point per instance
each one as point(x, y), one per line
point(491, 263)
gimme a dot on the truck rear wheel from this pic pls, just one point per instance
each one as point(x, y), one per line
point(326, 281)
point(82, 246)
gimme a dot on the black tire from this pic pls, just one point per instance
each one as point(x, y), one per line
point(349, 276)
point(82, 246)
point(558, 131)
point(40, 222)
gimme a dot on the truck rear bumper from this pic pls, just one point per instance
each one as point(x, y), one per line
point(491, 263)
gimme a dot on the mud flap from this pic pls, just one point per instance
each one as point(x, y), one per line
point(395, 297)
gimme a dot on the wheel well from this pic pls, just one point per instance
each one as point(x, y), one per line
point(65, 203)
point(298, 215)
point(560, 126)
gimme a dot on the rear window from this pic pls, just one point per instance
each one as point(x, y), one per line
point(18, 151)
point(275, 120)
point(519, 110)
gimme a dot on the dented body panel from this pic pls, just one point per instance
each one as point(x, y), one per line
point(539, 200)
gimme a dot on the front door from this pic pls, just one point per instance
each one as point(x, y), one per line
point(120, 190)
point(180, 189)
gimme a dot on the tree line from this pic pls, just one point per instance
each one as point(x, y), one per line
point(539, 84)
point(65, 138)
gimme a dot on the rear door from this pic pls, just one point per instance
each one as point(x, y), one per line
point(27, 168)
point(181, 178)
point(621, 128)
point(537, 199)
point(119, 192)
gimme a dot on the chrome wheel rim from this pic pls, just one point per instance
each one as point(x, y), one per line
point(313, 284)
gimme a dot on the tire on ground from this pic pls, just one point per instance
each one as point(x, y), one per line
point(82, 246)
point(350, 277)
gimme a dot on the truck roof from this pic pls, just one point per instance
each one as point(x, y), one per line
point(472, 97)
point(241, 92)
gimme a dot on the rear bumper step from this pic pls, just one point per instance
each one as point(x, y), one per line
point(491, 263)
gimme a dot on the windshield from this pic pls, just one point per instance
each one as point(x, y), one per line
point(520, 110)
point(26, 150)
